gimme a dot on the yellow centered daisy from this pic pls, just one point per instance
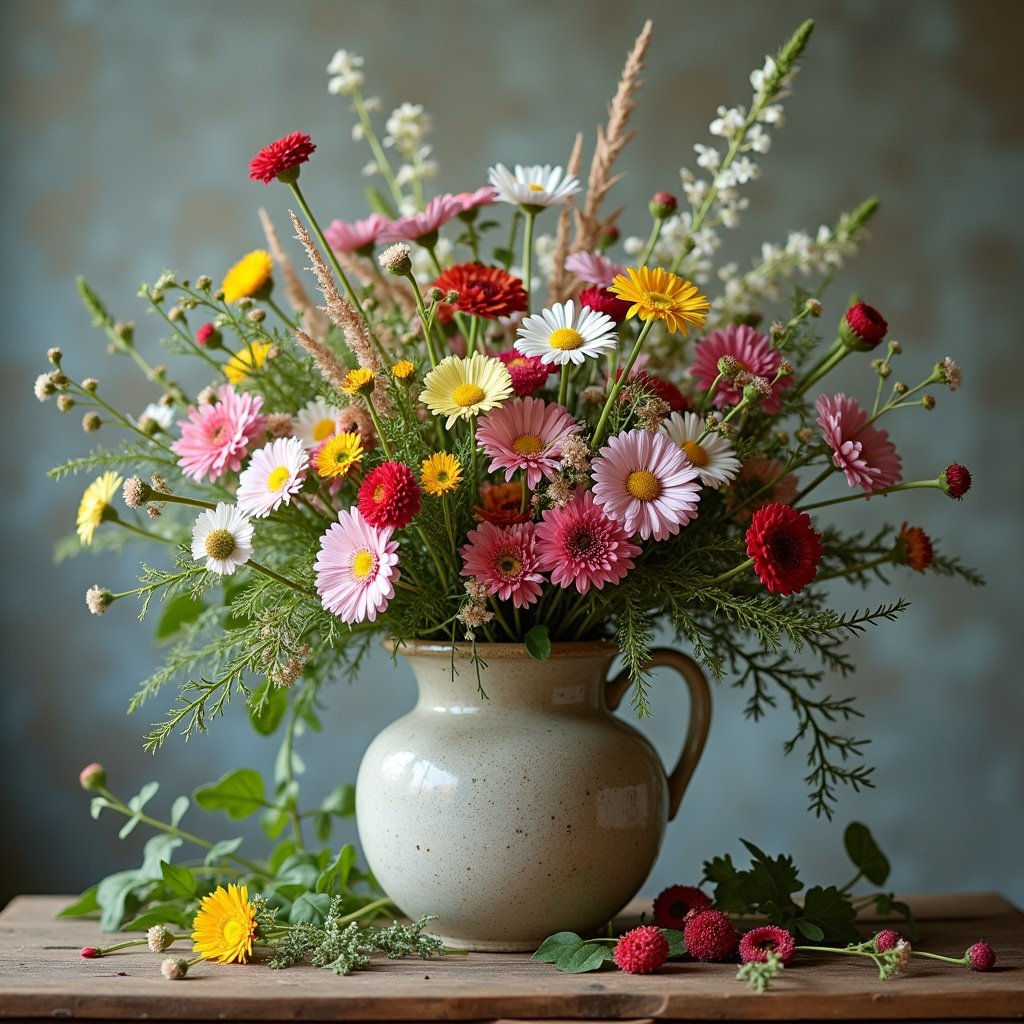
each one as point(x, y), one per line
point(363, 563)
point(403, 369)
point(527, 444)
point(95, 505)
point(643, 485)
point(566, 339)
point(461, 388)
point(441, 473)
point(225, 925)
point(278, 478)
point(323, 429)
point(358, 381)
point(696, 453)
point(220, 543)
point(656, 294)
point(468, 395)
point(339, 455)
point(251, 358)
point(249, 276)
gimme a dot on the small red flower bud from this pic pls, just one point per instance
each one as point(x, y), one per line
point(92, 776)
point(208, 336)
point(662, 205)
point(90, 952)
point(642, 950)
point(862, 327)
point(955, 480)
point(608, 239)
point(886, 940)
point(981, 956)
point(601, 300)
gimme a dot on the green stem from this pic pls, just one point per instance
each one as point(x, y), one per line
point(563, 384)
point(425, 322)
point(283, 580)
point(834, 357)
point(617, 384)
point(820, 479)
point(378, 427)
point(726, 576)
point(856, 878)
point(863, 567)
point(652, 241)
point(379, 156)
point(870, 494)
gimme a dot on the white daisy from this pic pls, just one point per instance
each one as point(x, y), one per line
point(223, 536)
point(161, 415)
point(561, 335)
point(535, 185)
point(273, 475)
point(713, 458)
point(316, 422)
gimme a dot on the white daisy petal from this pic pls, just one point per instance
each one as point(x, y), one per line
point(223, 536)
point(713, 458)
point(557, 335)
point(533, 185)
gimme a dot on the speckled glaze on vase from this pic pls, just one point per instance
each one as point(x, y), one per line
point(529, 812)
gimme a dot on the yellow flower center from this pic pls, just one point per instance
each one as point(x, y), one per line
point(468, 395)
point(527, 444)
point(533, 187)
point(643, 485)
point(658, 300)
point(278, 478)
point(364, 563)
point(220, 543)
point(696, 453)
point(378, 493)
point(323, 429)
point(509, 565)
point(232, 932)
point(565, 339)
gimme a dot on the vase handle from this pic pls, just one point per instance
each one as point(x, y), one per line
point(700, 716)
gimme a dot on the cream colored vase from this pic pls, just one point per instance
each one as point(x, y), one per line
point(531, 811)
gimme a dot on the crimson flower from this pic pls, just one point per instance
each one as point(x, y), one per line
point(489, 292)
point(389, 496)
point(785, 548)
point(281, 159)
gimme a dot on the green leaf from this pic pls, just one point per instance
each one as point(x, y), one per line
point(113, 896)
point(376, 201)
point(538, 643)
point(865, 854)
point(283, 850)
point(267, 706)
point(128, 827)
point(85, 904)
point(144, 795)
point(310, 908)
point(587, 957)
point(273, 822)
point(160, 913)
point(322, 827)
point(554, 946)
point(808, 930)
point(222, 850)
point(158, 849)
point(178, 809)
point(334, 880)
point(96, 806)
point(177, 612)
point(239, 794)
point(676, 943)
point(771, 880)
point(832, 912)
point(179, 880)
point(340, 802)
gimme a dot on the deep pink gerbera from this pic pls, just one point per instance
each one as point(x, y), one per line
point(581, 547)
point(356, 236)
point(281, 159)
point(785, 548)
point(216, 438)
point(603, 301)
point(770, 938)
point(504, 560)
point(752, 350)
point(423, 225)
point(389, 496)
point(864, 453)
point(528, 373)
point(526, 434)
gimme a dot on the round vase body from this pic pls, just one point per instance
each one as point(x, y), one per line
point(516, 815)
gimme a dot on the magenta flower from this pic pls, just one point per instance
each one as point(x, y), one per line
point(216, 438)
point(581, 547)
point(483, 196)
point(647, 483)
point(358, 236)
point(753, 351)
point(420, 226)
point(504, 559)
point(593, 268)
point(527, 434)
point(863, 452)
point(528, 373)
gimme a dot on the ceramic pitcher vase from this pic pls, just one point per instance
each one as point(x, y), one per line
point(527, 811)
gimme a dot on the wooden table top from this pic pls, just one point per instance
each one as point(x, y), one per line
point(42, 975)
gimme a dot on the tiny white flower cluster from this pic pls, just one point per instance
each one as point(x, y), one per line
point(407, 127)
point(346, 78)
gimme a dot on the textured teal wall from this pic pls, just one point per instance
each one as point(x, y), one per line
point(127, 127)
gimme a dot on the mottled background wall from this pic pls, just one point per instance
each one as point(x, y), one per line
point(127, 127)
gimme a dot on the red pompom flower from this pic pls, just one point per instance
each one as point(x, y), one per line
point(886, 939)
point(673, 904)
point(642, 950)
point(601, 300)
point(981, 957)
point(710, 936)
point(281, 159)
point(528, 373)
point(955, 480)
point(770, 938)
point(389, 496)
point(862, 327)
point(489, 292)
point(785, 548)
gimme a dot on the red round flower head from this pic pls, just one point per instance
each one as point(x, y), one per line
point(955, 480)
point(90, 952)
point(642, 950)
point(389, 496)
point(281, 159)
point(528, 373)
point(710, 936)
point(886, 939)
point(916, 548)
point(207, 335)
point(92, 776)
point(673, 904)
point(663, 204)
point(770, 938)
point(784, 547)
point(660, 388)
point(601, 300)
point(981, 957)
point(489, 292)
point(862, 327)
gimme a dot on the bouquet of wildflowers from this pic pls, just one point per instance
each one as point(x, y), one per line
point(502, 421)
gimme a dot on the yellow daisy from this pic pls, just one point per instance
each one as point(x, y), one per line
point(225, 925)
point(440, 474)
point(252, 357)
point(358, 381)
point(95, 504)
point(660, 295)
point(339, 455)
point(249, 276)
point(462, 388)
point(403, 369)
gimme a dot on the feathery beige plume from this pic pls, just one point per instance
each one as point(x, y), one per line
point(563, 284)
point(313, 320)
point(326, 361)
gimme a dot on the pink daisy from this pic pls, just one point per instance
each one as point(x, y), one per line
point(864, 453)
point(504, 560)
point(419, 226)
point(580, 546)
point(275, 473)
point(358, 236)
point(215, 438)
point(528, 373)
point(593, 268)
point(356, 568)
point(527, 434)
point(753, 351)
point(647, 483)
point(470, 201)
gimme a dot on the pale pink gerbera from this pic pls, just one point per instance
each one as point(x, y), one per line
point(215, 438)
point(275, 473)
point(647, 483)
point(593, 268)
point(357, 236)
point(581, 547)
point(528, 434)
point(356, 568)
point(420, 226)
point(864, 453)
point(755, 354)
point(471, 201)
point(504, 560)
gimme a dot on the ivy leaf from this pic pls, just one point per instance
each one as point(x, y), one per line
point(554, 946)
point(865, 854)
point(831, 911)
point(538, 643)
point(180, 881)
point(239, 794)
point(178, 809)
point(157, 850)
point(587, 957)
point(113, 896)
point(310, 908)
point(85, 904)
point(160, 913)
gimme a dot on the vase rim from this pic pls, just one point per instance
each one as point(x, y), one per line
point(503, 651)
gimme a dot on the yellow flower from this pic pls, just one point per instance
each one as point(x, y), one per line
point(659, 295)
point(95, 504)
point(403, 369)
point(252, 357)
point(358, 381)
point(462, 388)
point(225, 925)
point(339, 455)
point(248, 276)
point(441, 473)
